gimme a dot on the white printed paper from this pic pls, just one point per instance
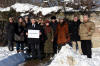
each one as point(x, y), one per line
point(33, 33)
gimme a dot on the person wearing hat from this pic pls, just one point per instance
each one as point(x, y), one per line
point(62, 33)
point(48, 46)
point(53, 25)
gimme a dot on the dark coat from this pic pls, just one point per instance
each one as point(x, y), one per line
point(74, 31)
point(10, 30)
point(20, 32)
point(54, 26)
point(30, 27)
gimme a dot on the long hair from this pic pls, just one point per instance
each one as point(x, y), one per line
point(21, 23)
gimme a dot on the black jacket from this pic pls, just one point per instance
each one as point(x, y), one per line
point(10, 31)
point(30, 27)
point(54, 26)
point(74, 30)
point(20, 32)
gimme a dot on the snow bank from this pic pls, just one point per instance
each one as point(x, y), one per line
point(4, 53)
point(10, 58)
point(5, 9)
point(96, 9)
point(67, 57)
point(23, 7)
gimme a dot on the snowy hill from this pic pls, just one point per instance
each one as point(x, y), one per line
point(67, 57)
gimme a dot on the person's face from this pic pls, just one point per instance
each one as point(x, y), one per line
point(26, 18)
point(61, 20)
point(75, 19)
point(33, 21)
point(40, 20)
point(85, 18)
point(10, 19)
point(20, 20)
point(53, 20)
point(47, 24)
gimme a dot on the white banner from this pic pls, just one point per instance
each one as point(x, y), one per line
point(33, 33)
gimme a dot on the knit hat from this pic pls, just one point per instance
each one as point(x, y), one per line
point(61, 16)
point(53, 17)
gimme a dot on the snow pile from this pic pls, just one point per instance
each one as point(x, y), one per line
point(23, 7)
point(4, 53)
point(98, 4)
point(96, 9)
point(69, 0)
point(67, 57)
point(5, 9)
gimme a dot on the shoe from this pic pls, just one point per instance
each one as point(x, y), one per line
point(18, 51)
point(22, 51)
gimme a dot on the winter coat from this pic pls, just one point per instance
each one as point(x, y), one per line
point(43, 36)
point(10, 31)
point(74, 31)
point(20, 32)
point(62, 33)
point(37, 27)
point(86, 30)
point(48, 46)
point(54, 26)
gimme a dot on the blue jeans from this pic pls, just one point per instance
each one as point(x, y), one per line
point(20, 46)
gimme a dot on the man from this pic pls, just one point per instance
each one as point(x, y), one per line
point(62, 33)
point(34, 42)
point(53, 25)
point(75, 38)
point(86, 31)
point(42, 37)
point(27, 23)
point(10, 31)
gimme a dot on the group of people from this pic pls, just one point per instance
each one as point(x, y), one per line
point(53, 34)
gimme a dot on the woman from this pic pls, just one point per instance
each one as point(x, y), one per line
point(20, 35)
point(48, 46)
point(62, 33)
point(10, 31)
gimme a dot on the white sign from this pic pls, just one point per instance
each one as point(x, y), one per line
point(33, 33)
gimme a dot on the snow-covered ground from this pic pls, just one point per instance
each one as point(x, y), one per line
point(67, 57)
point(4, 53)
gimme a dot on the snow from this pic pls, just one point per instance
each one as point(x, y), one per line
point(96, 9)
point(67, 57)
point(23, 7)
point(5, 9)
point(4, 53)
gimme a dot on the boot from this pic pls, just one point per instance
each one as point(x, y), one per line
point(18, 51)
point(22, 51)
